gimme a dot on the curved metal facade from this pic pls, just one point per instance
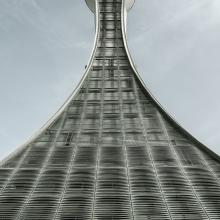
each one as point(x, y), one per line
point(111, 152)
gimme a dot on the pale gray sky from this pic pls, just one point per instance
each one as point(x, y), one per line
point(45, 44)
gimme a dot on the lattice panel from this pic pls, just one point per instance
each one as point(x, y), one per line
point(113, 153)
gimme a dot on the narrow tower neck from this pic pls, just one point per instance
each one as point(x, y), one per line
point(127, 6)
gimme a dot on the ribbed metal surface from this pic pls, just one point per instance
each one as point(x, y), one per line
point(113, 153)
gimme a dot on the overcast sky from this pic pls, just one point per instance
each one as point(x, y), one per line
point(45, 45)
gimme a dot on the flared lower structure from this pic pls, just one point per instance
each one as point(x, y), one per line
point(111, 152)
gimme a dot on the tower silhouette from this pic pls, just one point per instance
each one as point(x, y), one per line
point(111, 152)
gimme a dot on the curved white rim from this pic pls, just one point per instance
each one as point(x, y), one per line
point(76, 91)
point(69, 99)
point(123, 11)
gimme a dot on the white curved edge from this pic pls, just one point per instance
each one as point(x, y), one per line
point(167, 115)
point(90, 4)
point(69, 99)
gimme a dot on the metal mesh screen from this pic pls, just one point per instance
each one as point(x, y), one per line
point(112, 153)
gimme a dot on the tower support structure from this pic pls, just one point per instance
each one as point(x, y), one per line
point(111, 151)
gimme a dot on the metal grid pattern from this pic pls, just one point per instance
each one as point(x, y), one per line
point(113, 153)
